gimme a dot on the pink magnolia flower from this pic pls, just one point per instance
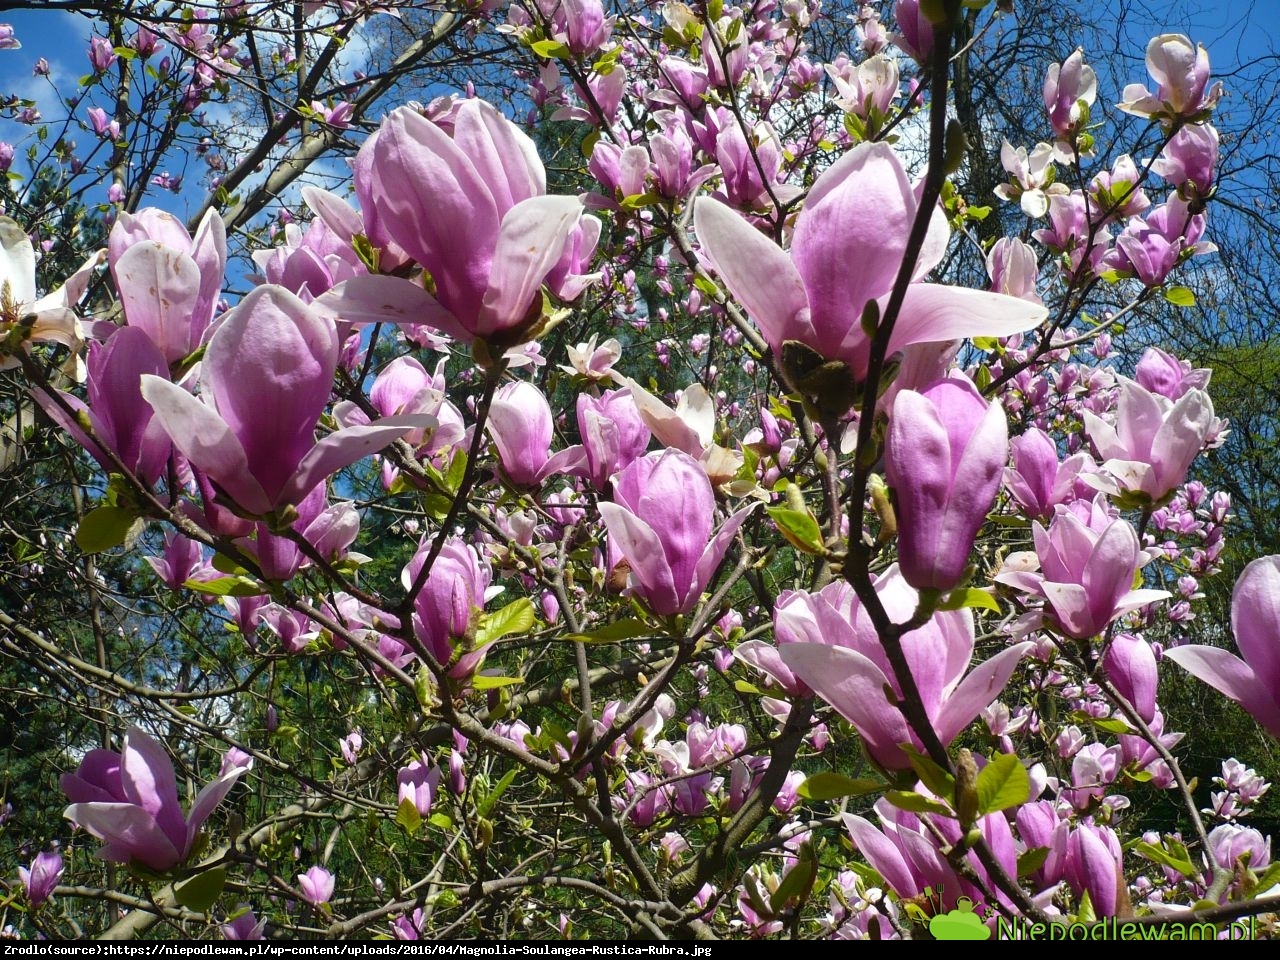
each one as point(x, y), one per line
point(1037, 481)
point(1031, 178)
point(120, 419)
point(1149, 448)
point(906, 852)
point(828, 641)
point(661, 522)
point(449, 605)
point(1181, 73)
point(1086, 572)
point(418, 784)
point(245, 926)
point(272, 352)
point(1093, 864)
point(129, 800)
point(169, 281)
point(41, 877)
point(7, 39)
point(871, 85)
point(1131, 664)
point(1012, 267)
point(846, 250)
point(101, 54)
point(944, 459)
point(471, 209)
point(521, 426)
point(316, 885)
point(1070, 88)
point(1253, 682)
point(915, 33)
point(1189, 160)
point(1164, 374)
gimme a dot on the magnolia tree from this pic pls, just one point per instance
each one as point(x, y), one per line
point(810, 595)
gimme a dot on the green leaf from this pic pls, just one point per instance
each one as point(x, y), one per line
point(969, 597)
point(799, 528)
point(1031, 861)
point(550, 49)
point(939, 781)
point(986, 344)
point(457, 470)
point(795, 885)
point(1269, 878)
point(516, 617)
point(485, 806)
point(742, 686)
point(224, 564)
point(201, 891)
point(1180, 296)
point(615, 632)
point(715, 10)
point(833, 786)
point(1003, 783)
point(1113, 725)
point(227, 587)
point(482, 682)
point(1159, 855)
point(365, 250)
point(440, 821)
point(707, 286)
point(105, 527)
point(639, 201)
point(407, 816)
point(916, 802)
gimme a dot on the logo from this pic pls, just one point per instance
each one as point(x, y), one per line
point(965, 922)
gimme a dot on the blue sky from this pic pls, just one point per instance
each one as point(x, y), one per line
point(1237, 33)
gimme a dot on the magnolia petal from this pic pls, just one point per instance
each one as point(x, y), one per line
point(146, 772)
point(855, 687)
point(644, 551)
point(932, 312)
point(666, 424)
point(983, 684)
point(757, 272)
point(862, 204)
point(343, 448)
point(338, 215)
point(128, 832)
point(159, 289)
point(1255, 617)
point(713, 555)
point(209, 797)
point(374, 298)
point(271, 353)
point(883, 854)
point(530, 241)
point(209, 251)
point(1233, 678)
point(17, 262)
point(503, 154)
point(764, 657)
point(206, 440)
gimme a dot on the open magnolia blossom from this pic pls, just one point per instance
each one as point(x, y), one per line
point(272, 353)
point(846, 250)
point(468, 203)
point(1253, 682)
point(828, 641)
point(129, 801)
point(26, 316)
